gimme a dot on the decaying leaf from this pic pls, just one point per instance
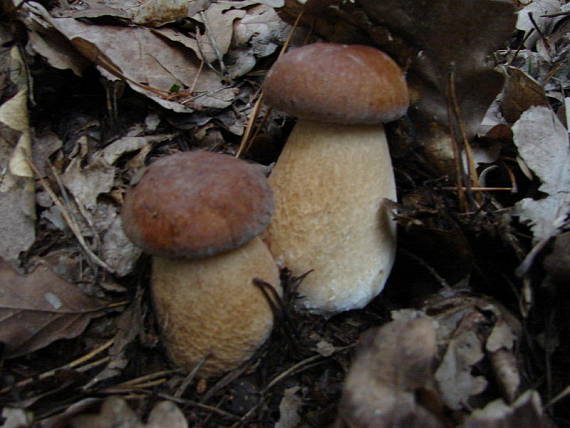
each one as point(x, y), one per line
point(86, 184)
point(454, 374)
point(542, 142)
point(118, 251)
point(256, 35)
point(474, 330)
point(17, 199)
point(521, 92)
point(145, 60)
point(40, 308)
point(131, 143)
point(115, 412)
point(392, 368)
point(160, 12)
point(165, 64)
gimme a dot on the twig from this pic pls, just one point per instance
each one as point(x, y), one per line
point(481, 189)
point(456, 150)
point(245, 140)
point(465, 147)
point(76, 363)
point(426, 266)
point(564, 393)
point(539, 31)
point(189, 378)
point(193, 403)
point(68, 219)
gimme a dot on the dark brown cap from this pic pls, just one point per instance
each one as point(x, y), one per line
point(197, 204)
point(329, 82)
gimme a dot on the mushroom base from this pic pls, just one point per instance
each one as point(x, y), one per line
point(209, 309)
point(329, 186)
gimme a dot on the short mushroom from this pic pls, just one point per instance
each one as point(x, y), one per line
point(199, 214)
point(334, 173)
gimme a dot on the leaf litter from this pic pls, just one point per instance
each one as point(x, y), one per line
point(462, 338)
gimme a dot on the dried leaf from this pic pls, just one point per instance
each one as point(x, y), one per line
point(454, 374)
point(40, 308)
point(218, 19)
point(86, 184)
point(118, 251)
point(521, 92)
point(17, 199)
point(542, 142)
point(472, 328)
point(392, 365)
point(160, 12)
point(147, 62)
point(118, 148)
point(256, 35)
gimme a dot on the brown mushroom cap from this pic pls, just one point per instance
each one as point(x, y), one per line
point(329, 82)
point(197, 204)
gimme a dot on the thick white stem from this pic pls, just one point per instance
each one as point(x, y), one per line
point(210, 309)
point(329, 186)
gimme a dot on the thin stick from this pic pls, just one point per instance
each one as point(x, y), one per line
point(481, 189)
point(193, 403)
point(67, 366)
point(245, 140)
point(68, 219)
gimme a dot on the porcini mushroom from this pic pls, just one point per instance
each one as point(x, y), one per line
point(335, 171)
point(199, 214)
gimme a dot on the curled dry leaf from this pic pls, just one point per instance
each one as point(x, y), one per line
point(392, 368)
point(521, 92)
point(40, 308)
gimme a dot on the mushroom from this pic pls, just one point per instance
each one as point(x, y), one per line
point(334, 173)
point(199, 214)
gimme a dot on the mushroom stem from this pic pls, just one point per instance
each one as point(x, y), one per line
point(329, 185)
point(209, 309)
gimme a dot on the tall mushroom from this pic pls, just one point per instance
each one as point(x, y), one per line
point(199, 214)
point(335, 171)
